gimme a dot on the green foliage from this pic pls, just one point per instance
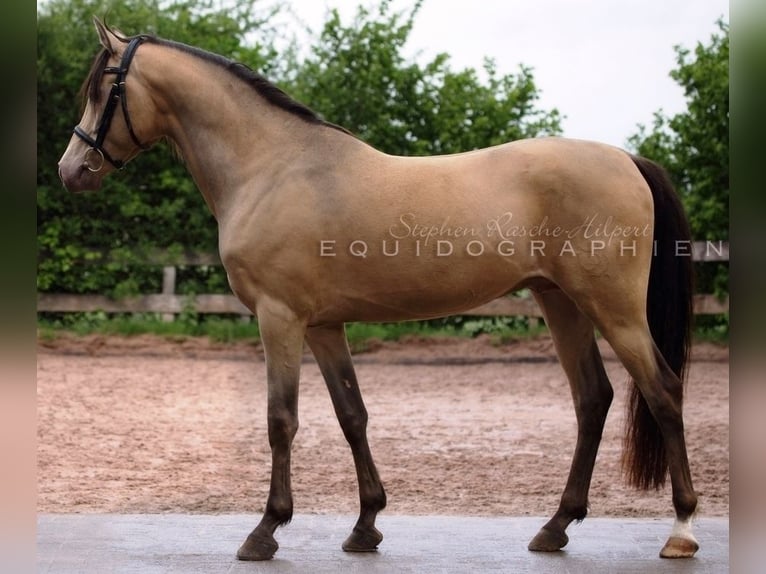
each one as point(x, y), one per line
point(496, 326)
point(694, 146)
point(713, 329)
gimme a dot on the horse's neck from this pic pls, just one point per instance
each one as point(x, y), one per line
point(230, 138)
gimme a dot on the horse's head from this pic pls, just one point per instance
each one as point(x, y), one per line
point(116, 124)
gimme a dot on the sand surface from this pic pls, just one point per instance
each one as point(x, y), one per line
point(145, 425)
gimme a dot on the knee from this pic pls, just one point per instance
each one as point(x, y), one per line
point(282, 428)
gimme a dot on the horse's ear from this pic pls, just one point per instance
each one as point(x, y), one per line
point(105, 36)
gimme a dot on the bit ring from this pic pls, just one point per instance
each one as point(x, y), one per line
point(88, 163)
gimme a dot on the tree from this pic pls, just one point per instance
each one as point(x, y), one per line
point(358, 77)
point(694, 146)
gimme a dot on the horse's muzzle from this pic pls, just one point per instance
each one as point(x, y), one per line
point(79, 178)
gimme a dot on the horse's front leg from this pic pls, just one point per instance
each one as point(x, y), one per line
point(282, 334)
point(328, 343)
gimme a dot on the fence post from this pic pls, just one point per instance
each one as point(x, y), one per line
point(168, 288)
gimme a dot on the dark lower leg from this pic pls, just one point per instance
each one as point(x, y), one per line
point(592, 395)
point(260, 543)
point(372, 497)
point(331, 351)
point(666, 403)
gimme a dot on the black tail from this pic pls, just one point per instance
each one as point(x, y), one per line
point(670, 314)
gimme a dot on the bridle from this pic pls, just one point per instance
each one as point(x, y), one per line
point(117, 94)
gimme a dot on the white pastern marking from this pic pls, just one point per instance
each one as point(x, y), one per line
point(683, 529)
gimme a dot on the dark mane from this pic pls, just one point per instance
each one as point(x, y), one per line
point(268, 91)
point(90, 89)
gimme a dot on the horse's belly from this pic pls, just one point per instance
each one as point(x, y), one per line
point(405, 290)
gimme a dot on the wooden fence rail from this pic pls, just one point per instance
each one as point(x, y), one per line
point(168, 303)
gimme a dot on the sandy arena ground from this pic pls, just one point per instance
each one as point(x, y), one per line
point(146, 425)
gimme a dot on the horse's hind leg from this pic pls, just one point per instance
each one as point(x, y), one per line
point(663, 392)
point(655, 443)
point(328, 343)
point(592, 393)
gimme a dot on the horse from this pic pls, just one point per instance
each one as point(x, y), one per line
point(318, 229)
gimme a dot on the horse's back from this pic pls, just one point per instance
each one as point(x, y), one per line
point(387, 238)
point(476, 224)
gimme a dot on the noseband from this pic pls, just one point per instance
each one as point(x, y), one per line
point(117, 94)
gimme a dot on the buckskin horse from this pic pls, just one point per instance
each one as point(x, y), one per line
point(317, 229)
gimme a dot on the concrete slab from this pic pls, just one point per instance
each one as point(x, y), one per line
point(190, 544)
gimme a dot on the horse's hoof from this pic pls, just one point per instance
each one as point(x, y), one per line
point(362, 540)
point(257, 547)
point(677, 547)
point(548, 541)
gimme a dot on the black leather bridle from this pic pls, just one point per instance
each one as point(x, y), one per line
point(116, 95)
